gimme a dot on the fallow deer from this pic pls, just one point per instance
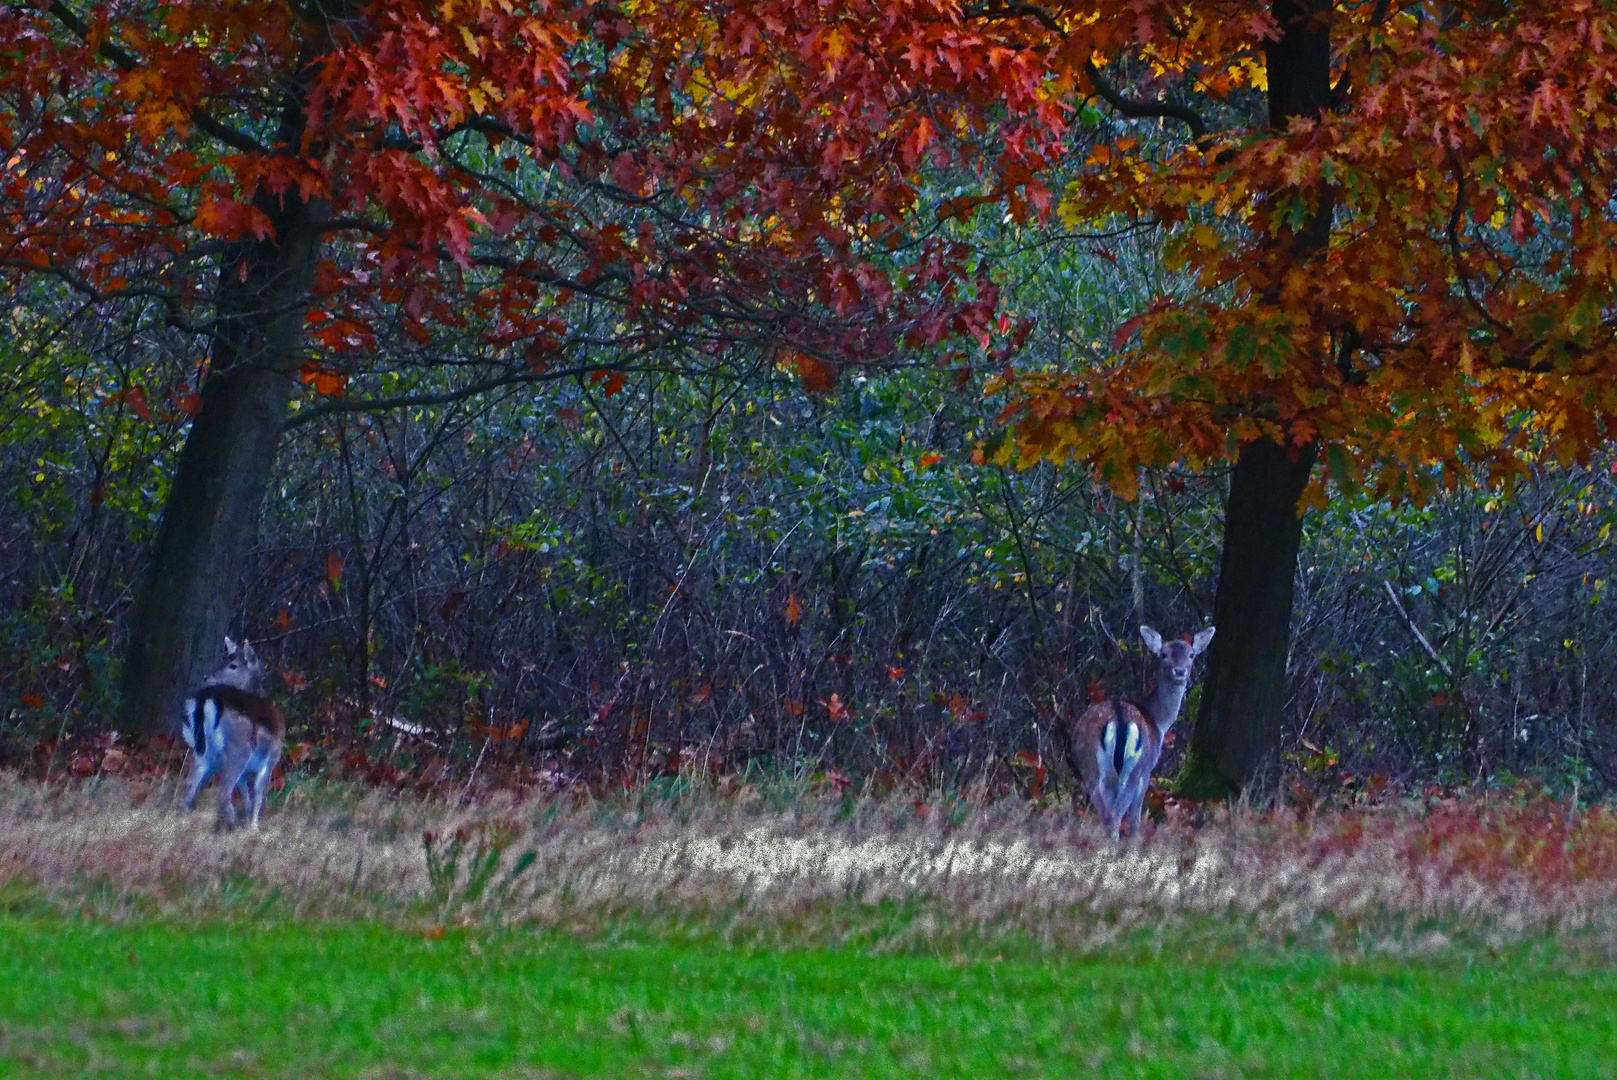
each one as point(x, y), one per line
point(1113, 746)
point(234, 732)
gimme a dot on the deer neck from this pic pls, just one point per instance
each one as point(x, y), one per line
point(1162, 705)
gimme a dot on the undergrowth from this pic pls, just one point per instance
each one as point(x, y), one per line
point(789, 863)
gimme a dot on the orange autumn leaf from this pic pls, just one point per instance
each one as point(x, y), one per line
point(324, 380)
point(793, 612)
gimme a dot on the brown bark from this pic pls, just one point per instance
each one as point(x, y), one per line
point(1238, 724)
point(183, 609)
point(1236, 738)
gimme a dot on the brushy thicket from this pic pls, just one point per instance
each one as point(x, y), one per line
point(777, 864)
point(708, 569)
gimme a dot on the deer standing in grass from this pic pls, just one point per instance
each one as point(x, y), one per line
point(234, 732)
point(1114, 745)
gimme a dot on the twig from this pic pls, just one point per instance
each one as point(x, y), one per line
point(475, 766)
point(1392, 594)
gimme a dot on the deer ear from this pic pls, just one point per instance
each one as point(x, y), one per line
point(230, 646)
point(1203, 638)
point(247, 652)
point(1152, 639)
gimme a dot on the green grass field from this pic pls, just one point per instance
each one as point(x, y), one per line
point(325, 999)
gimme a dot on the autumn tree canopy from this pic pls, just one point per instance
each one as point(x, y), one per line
point(1390, 229)
point(524, 190)
point(1460, 311)
point(1387, 225)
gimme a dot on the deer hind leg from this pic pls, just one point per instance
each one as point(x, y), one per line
point(202, 766)
point(1136, 797)
point(1106, 807)
point(259, 771)
point(230, 777)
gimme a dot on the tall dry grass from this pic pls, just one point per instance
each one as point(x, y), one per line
point(893, 873)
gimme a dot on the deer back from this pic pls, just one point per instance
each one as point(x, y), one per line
point(241, 715)
point(1087, 735)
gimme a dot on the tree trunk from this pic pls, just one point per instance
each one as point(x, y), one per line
point(182, 611)
point(1237, 727)
point(1236, 738)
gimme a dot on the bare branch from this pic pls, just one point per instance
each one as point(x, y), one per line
point(1015, 11)
point(406, 401)
point(1139, 110)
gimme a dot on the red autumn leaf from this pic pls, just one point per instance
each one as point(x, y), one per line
point(817, 376)
point(334, 564)
point(189, 404)
point(33, 701)
point(895, 673)
point(1126, 331)
point(962, 711)
point(794, 611)
point(135, 398)
point(231, 219)
point(836, 709)
point(1095, 692)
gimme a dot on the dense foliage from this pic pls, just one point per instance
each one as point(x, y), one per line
point(710, 573)
point(639, 356)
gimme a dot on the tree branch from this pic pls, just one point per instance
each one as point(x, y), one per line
point(1392, 594)
point(1137, 110)
point(1013, 11)
point(406, 401)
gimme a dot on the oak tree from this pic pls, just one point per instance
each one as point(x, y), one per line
point(1392, 225)
point(522, 189)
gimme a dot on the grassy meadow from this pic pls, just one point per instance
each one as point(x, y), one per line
point(684, 932)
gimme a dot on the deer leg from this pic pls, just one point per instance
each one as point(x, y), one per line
point(235, 764)
point(1105, 808)
point(1137, 797)
point(201, 767)
point(260, 785)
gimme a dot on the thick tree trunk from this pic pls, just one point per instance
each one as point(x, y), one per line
point(1236, 738)
point(1238, 724)
point(182, 611)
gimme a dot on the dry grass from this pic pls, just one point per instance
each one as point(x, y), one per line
point(894, 873)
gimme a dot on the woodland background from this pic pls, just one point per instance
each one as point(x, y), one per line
point(644, 555)
point(713, 569)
